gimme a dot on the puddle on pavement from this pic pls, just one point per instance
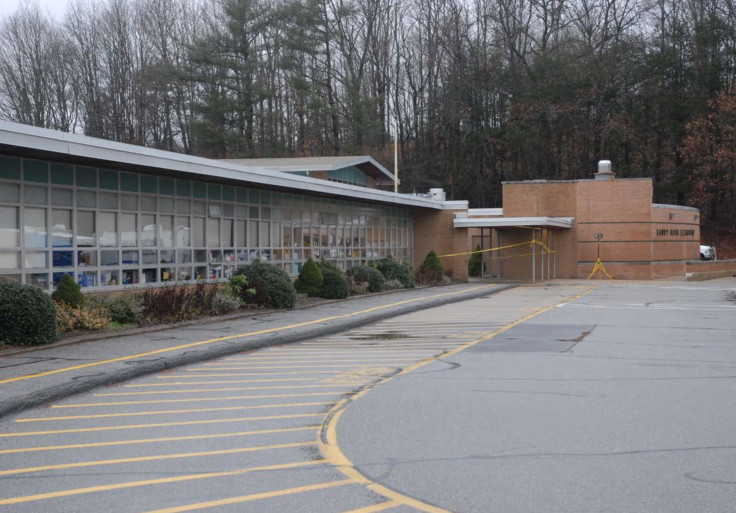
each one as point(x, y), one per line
point(383, 336)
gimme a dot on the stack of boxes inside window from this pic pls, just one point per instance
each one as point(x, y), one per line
point(112, 228)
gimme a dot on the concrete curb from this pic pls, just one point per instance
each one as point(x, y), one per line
point(224, 348)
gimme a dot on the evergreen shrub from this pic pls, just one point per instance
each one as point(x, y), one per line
point(475, 263)
point(27, 315)
point(431, 269)
point(68, 291)
point(124, 309)
point(393, 270)
point(310, 279)
point(334, 285)
point(272, 285)
point(365, 274)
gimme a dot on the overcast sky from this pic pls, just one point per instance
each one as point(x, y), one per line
point(55, 7)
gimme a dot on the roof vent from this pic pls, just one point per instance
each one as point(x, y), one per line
point(605, 171)
point(437, 194)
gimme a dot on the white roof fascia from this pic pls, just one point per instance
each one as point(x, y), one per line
point(512, 222)
point(296, 167)
point(42, 139)
point(485, 212)
point(455, 205)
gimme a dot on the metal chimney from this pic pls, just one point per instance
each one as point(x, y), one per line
point(437, 194)
point(605, 171)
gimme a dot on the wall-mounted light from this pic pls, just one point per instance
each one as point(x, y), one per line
point(672, 215)
point(696, 217)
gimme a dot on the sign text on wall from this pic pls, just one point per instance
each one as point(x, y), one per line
point(680, 233)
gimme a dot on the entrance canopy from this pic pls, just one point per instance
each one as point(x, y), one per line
point(513, 222)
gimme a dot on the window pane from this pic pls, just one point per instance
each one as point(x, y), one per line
point(63, 258)
point(35, 195)
point(9, 193)
point(150, 256)
point(149, 204)
point(213, 232)
point(252, 234)
point(87, 199)
point(87, 278)
point(38, 280)
point(36, 260)
point(35, 227)
point(62, 197)
point(264, 235)
point(108, 200)
point(9, 231)
point(107, 224)
point(241, 232)
point(9, 260)
point(61, 233)
point(109, 278)
point(130, 257)
point(129, 202)
point(198, 208)
point(198, 231)
point(183, 206)
point(86, 258)
point(168, 256)
point(86, 229)
point(166, 227)
point(109, 257)
point(227, 233)
point(128, 230)
point(166, 205)
point(148, 230)
point(183, 237)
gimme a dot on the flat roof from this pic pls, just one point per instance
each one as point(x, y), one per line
point(34, 142)
point(365, 163)
point(513, 222)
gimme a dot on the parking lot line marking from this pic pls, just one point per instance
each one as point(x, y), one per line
point(154, 440)
point(332, 452)
point(159, 481)
point(233, 389)
point(325, 366)
point(239, 335)
point(166, 412)
point(226, 382)
point(223, 374)
point(344, 359)
point(160, 457)
point(157, 425)
point(253, 497)
point(375, 508)
point(190, 400)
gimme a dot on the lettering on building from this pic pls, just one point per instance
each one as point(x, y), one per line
point(675, 233)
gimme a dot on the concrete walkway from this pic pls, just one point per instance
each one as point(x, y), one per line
point(30, 377)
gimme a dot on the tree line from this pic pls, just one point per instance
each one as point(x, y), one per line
point(477, 91)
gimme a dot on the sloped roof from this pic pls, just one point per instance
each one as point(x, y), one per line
point(365, 163)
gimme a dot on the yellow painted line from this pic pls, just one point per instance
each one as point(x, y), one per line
point(375, 508)
point(157, 425)
point(151, 482)
point(198, 390)
point(253, 497)
point(235, 374)
point(274, 380)
point(166, 412)
point(251, 367)
point(330, 448)
point(97, 463)
point(240, 335)
point(226, 382)
point(343, 359)
point(333, 355)
point(190, 400)
point(154, 440)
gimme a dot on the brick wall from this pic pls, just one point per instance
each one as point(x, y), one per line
point(434, 230)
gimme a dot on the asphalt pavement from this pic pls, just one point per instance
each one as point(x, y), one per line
point(622, 400)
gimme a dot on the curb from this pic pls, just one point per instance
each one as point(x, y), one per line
point(220, 349)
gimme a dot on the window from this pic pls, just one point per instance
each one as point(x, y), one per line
point(183, 235)
point(166, 227)
point(34, 231)
point(86, 229)
point(61, 231)
point(9, 232)
point(128, 230)
point(107, 223)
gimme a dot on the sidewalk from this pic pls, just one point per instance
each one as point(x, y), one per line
point(30, 377)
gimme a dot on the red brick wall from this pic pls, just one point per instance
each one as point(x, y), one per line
point(434, 230)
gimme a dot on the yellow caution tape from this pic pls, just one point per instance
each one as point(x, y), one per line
point(539, 243)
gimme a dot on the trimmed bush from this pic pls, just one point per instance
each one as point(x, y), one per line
point(475, 263)
point(365, 274)
point(237, 287)
point(27, 314)
point(273, 286)
point(69, 319)
point(394, 285)
point(174, 303)
point(328, 265)
point(393, 270)
point(431, 269)
point(124, 309)
point(224, 303)
point(334, 285)
point(310, 279)
point(68, 291)
point(357, 289)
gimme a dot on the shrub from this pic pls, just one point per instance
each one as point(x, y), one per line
point(310, 279)
point(475, 263)
point(69, 292)
point(174, 303)
point(84, 318)
point(357, 289)
point(394, 284)
point(124, 309)
point(328, 265)
point(393, 270)
point(237, 287)
point(273, 286)
point(27, 314)
point(334, 285)
point(365, 274)
point(431, 269)
point(223, 303)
